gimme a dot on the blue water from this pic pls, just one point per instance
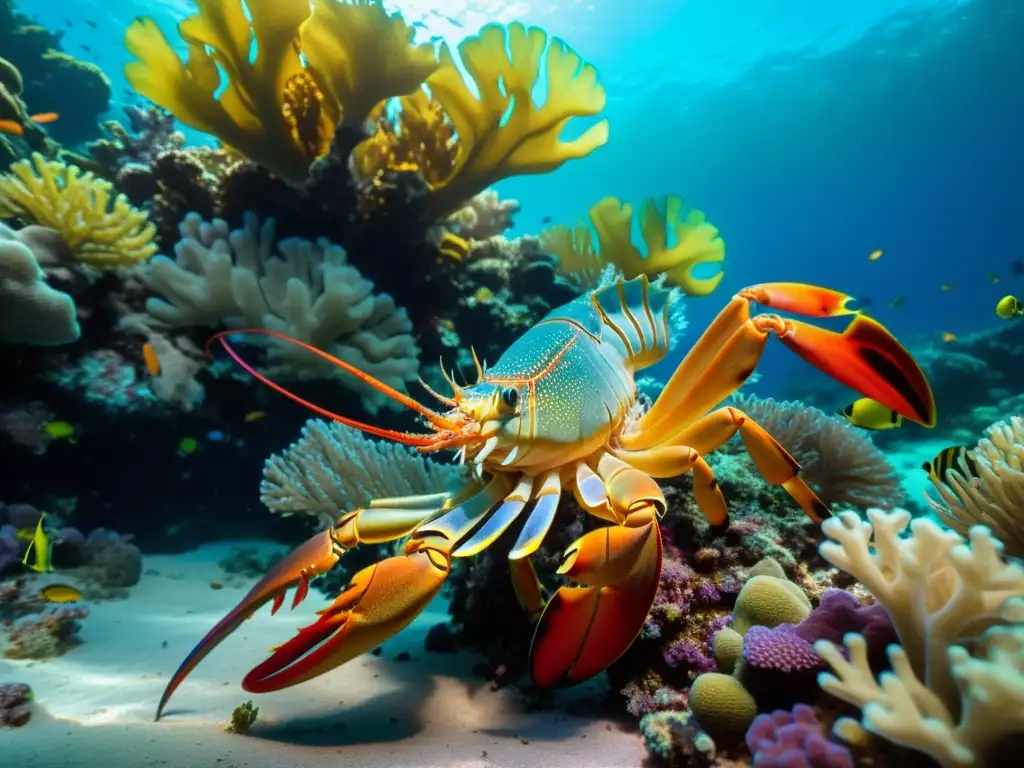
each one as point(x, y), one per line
point(811, 133)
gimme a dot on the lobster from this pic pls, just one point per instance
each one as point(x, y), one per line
point(559, 411)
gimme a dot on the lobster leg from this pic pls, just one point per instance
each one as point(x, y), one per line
point(584, 629)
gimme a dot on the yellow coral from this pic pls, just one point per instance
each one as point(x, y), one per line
point(101, 230)
point(694, 241)
point(722, 706)
point(767, 601)
point(505, 132)
point(278, 108)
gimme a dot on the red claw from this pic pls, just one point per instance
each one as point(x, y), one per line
point(800, 299)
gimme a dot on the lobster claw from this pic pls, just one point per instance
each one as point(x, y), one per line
point(316, 556)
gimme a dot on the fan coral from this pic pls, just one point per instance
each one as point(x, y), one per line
point(31, 312)
point(100, 229)
point(505, 132)
point(842, 463)
point(308, 292)
point(314, 63)
point(676, 245)
point(333, 468)
point(794, 740)
point(940, 590)
point(992, 495)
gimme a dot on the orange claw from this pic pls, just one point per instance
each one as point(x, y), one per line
point(318, 555)
point(800, 298)
point(867, 358)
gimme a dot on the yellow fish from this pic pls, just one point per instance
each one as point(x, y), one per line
point(870, 414)
point(949, 458)
point(875, 255)
point(60, 429)
point(946, 287)
point(1009, 308)
point(255, 416)
point(60, 593)
point(453, 246)
point(41, 546)
point(483, 295)
point(948, 337)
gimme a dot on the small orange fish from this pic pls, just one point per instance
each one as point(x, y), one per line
point(17, 129)
point(255, 416)
point(948, 337)
point(875, 255)
point(151, 360)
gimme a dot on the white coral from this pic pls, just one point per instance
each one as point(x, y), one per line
point(333, 468)
point(993, 494)
point(302, 289)
point(940, 590)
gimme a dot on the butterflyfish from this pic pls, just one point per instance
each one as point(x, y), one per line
point(870, 414)
point(40, 547)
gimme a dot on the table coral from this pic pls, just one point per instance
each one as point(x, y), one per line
point(101, 229)
point(677, 241)
point(941, 590)
point(303, 289)
point(992, 494)
point(314, 63)
point(504, 132)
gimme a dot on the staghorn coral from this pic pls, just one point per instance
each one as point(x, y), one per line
point(991, 495)
point(505, 132)
point(315, 62)
point(840, 462)
point(940, 590)
point(102, 230)
point(333, 468)
point(675, 245)
point(31, 312)
point(303, 289)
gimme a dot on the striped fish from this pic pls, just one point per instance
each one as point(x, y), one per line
point(950, 458)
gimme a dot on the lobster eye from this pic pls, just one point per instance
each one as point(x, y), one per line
point(510, 396)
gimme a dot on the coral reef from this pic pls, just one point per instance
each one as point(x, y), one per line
point(794, 740)
point(101, 230)
point(15, 704)
point(305, 290)
point(675, 245)
point(50, 633)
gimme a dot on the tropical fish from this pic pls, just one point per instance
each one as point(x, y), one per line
point(875, 255)
point(255, 416)
point(453, 246)
point(948, 337)
point(897, 302)
point(60, 593)
point(40, 546)
point(946, 287)
point(993, 278)
point(870, 414)
point(1018, 268)
point(12, 128)
point(60, 429)
point(1009, 308)
point(545, 220)
point(215, 436)
point(149, 357)
point(91, 23)
point(947, 459)
point(484, 295)
point(187, 446)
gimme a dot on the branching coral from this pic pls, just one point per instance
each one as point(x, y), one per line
point(101, 229)
point(993, 494)
point(940, 591)
point(675, 244)
point(842, 463)
point(505, 132)
point(333, 468)
point(314, 62)
point(303, 289)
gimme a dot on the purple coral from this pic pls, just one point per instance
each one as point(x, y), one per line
point(839, 613)
point(15, 704)
point(779, 649)
point(794, 740)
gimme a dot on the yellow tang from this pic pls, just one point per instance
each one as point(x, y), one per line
point(60, 593)
point(950, 458)
point(870, 414)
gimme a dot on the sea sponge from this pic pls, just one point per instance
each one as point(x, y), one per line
point(100, 229)
point(675, 244)
point(767, 601)
point(278, 108)
point(505, 132)
point(722, 706)
point(992, 495)
point(31, 312)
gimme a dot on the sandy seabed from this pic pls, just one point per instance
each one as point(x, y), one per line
point(94, 706)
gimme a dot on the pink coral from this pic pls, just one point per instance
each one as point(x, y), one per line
point(794, 740)
point(779, 649)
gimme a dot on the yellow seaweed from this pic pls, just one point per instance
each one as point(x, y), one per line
point(694, 240)
point(100, 228)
